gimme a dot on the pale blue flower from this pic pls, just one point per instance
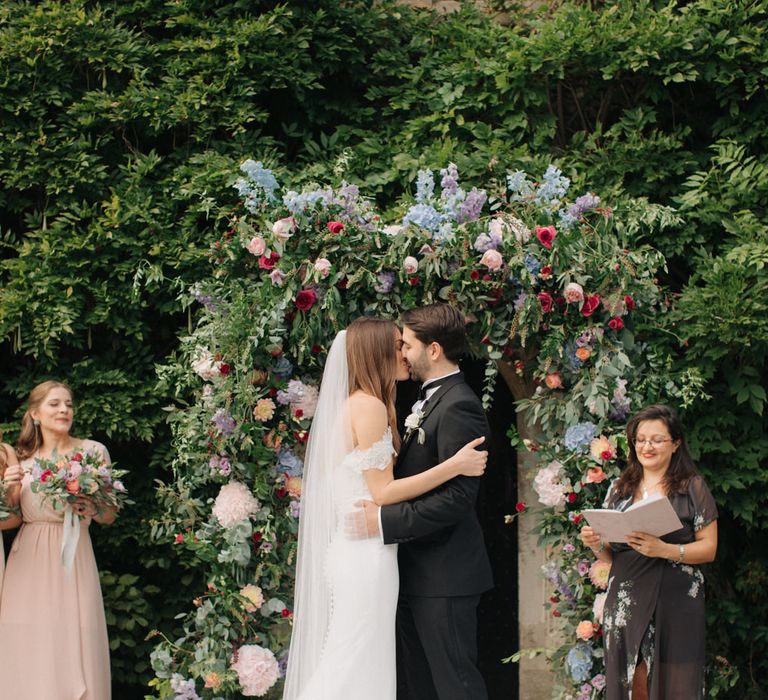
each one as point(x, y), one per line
point(579, 662)
point(578, 437)
point(570, 352)
point(444, 232)
point(258, 187)
point(283, 367)
point(425, 216)
point(299, 203)
point(519, 185)
point(289, 462)
point(533, 265)
point(553, 187)
point(425, 186)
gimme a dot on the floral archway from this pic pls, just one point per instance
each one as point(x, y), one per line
point(559, 298)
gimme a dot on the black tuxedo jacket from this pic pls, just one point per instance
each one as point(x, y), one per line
point(442, 552)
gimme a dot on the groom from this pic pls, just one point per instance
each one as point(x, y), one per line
point(443, 564)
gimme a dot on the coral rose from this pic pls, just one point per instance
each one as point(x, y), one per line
point(596, 475)
point(73, 486)
point(554, 380)
point(264, 409)
point(585, 630)
point(583, 354)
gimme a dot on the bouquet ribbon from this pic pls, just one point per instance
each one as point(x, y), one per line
point(70, 537)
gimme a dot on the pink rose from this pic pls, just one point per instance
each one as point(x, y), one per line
point(323, 267)
point(256, 246)
point(585, 630)
point(492, 259)
point(573, 293)
point(546, 301)
point(591, 302)
point(546, 235)
point(335, 227)
point(277, 277)
point(616, 324)
point(284, 228)
point(410, 264)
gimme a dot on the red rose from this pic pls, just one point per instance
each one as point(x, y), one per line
point(342, 283)
point(606, 455)
point(495, 296)
point(487, 278)
point(546, 235)
point(546, 272)
point(281, 492)
point(474, 275)
point(77, 458)
point(577, 519)
point(268, 263)
point(546, 301)
point(520, 507)
point(285, 612)
point(616, 324)
point(486, 340)
point(272, 392)
point(414, 281)
point(556, 613)
point(335, 227)
point(224, 368)
point(591, 302)
point(629, 302)
point(179, 539)
point(571, 497)
point(47, 474)
point(316, 349)
point(306, 299)
point(298, 413)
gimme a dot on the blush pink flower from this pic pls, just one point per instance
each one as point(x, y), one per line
point(256, 246)
point(546, 235)
point(585, 630)
point(573, 293)
point(256, 668)
point(599, 446)
point(323, 267)
point(283, 228)
point(410, 264)
point(255, 597)
point(234, 504)
point(598, 574)
point(492, 259)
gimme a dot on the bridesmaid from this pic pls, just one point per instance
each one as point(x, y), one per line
point(53, 633)
point(10, 473)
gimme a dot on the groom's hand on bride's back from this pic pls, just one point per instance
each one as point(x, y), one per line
point(364, 523)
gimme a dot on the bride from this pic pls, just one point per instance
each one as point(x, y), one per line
point(343, 642)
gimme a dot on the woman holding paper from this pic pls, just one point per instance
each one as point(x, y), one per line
point(53, 632)
point(653, 620)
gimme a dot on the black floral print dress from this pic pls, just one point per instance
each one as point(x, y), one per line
point(654, 610)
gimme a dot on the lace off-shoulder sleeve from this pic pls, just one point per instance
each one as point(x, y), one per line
point(377, 456)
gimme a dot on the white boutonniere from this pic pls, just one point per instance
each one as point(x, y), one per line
point(413, 422)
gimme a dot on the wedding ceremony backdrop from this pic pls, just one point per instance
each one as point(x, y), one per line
point(196, 196)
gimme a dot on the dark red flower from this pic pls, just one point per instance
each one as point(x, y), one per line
point(414, 281)
point(486, 340)
point(335, 227)
point(47, 474)
point(546, 235)
point(179, 539)
point(487, 278)
point(272, 392)
point(316, 349)
point(520, 507)
point(281, 492)
point(306, 299)
point(591, 302)
point(224, 368)
point(298, 413)
point(577, 519)
point(496, 295)
point(556, 613)
point(606, 455)
point(572, 497)
point(474, 275)
point(342, 283)
point(554, 599)
point(285, 612)
point(616, 324)
point(546, 272)
point(268, 263)
point(629, 302)
point(546, 301)
point(77, 458)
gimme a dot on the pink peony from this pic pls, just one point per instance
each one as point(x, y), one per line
point(234, 504)
point(573, 293)
point(323, 267)
point(598, 574)
point(284, 228)
point(598, 606)
point(599, 446)
point(492, 259)
point(307, 401)
point(585, 630)
point(549, 487)
point(410, 264)
point(256, 246)
point(546, 235)
point(256, 669)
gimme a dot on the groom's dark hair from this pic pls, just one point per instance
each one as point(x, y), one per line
point(439, 323)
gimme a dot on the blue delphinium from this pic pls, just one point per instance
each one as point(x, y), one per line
point(425, 216)
point(533, 265)
point(578, 437)
point(425, 186)
point(553, 187)
point(567, 220)
point(444, 232)
point(259, 186)
point(519, 186)
point(298, 203)
point(579, 662)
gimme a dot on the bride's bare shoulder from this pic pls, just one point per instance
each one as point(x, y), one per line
point(366, 403)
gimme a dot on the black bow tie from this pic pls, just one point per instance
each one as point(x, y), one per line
point(425, 388)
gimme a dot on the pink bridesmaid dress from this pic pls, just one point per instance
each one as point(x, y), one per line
point(53, 633)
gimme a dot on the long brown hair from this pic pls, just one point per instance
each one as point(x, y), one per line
point(681, 467)
point(372, 361)
point(31, 437)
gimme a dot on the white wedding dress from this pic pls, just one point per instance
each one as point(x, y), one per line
point(343, 642)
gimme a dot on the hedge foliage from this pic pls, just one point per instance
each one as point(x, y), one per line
point(121, 123)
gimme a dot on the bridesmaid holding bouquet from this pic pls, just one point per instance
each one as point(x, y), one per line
point(53, 632)
point(10, 483)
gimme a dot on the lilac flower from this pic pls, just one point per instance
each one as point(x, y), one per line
point(450, 180)
point(472, 206)
point(201, 298)
point(518, 185)
point(583, 204)
point(425, 186)
point(294, 508)
point(553, 187)
point(598, 681)
point(292, 394)
point(283, 367)
point(520, 301)
point(555, 577)
point(220, 464)
point(621, 404)
point(423, 215)
point(224, 422)
point(578, 437)
point(385, 282)
point(582, 567)
point(184, 688)
point(568, 548)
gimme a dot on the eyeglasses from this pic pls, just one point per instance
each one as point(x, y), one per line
point(656, 441)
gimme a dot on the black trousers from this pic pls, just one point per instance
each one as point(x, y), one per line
point(437, 649)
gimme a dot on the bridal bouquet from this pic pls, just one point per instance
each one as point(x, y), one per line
point(6, 511)
point(63, 480)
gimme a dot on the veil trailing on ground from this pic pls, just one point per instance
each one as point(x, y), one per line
point(330, 440)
